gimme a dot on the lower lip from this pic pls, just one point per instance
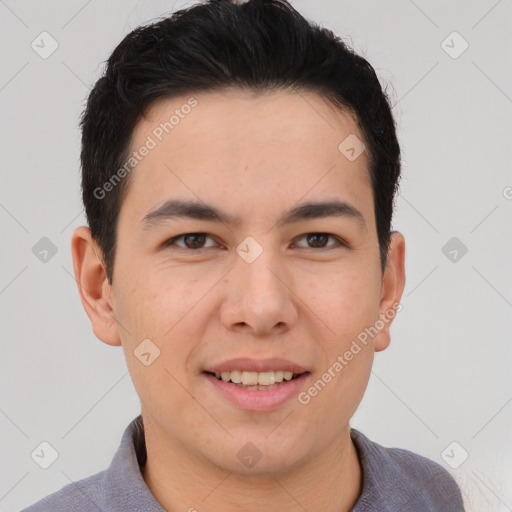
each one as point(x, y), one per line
point(258, 400)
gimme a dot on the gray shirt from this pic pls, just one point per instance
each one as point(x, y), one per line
point(394, 480)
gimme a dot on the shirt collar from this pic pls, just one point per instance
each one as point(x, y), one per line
point(123, 487)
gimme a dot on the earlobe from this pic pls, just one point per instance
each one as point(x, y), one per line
point(393, 284)
point(93, 286)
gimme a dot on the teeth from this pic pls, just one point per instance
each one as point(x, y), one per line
point(255, 378)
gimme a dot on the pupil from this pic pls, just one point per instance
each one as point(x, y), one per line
point(313, 238)
point(194, 238)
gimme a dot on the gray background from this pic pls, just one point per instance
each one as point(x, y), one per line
point(446, 376)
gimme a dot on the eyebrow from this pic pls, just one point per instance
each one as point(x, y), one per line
point(175, 208)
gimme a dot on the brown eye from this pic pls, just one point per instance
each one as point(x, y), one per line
point(190, 241)
point(194, 240)
point(319, 240)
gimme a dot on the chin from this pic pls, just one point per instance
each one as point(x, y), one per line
point(257, 456)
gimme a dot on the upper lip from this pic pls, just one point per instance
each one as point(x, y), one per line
point(257, 365)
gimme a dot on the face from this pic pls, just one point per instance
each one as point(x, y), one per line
point(249, 273)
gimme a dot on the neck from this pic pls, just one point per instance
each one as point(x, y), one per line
point(180, 480)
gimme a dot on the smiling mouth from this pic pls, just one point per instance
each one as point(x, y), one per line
point(256, 380)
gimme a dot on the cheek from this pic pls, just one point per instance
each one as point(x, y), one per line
point(347, 302)
point(152, 301)
point(334, 396)
point(352, 302)
point(153, 309)
point(168, 311)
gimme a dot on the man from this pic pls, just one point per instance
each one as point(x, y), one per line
point(239, 170)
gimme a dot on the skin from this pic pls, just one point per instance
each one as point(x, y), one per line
point(254, 156)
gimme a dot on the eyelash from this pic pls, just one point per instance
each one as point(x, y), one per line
point(339, 241)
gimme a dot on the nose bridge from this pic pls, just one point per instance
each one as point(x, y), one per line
point(258, 281)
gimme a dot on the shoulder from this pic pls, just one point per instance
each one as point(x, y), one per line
point(82, 495)
point(119, 488)
point(395, 477)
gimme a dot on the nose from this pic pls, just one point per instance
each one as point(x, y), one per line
point(259, 299)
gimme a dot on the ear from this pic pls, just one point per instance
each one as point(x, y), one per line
point(393, 283)
point(93, 287)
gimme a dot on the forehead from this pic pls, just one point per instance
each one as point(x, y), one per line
point(246, 145)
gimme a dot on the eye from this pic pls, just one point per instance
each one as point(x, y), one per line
point(319, 240)
point(190, 241)
point(196, 241)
